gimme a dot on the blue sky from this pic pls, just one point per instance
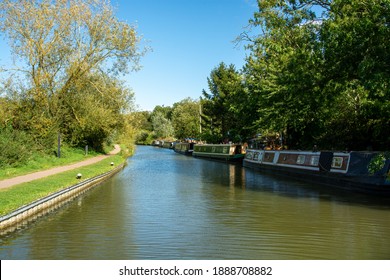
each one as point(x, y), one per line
point(188, 39)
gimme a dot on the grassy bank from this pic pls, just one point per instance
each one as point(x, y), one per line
point(17, 196)
point(41, 161)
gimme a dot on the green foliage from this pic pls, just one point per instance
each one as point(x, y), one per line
point(223, 113)
point(321, 79)
point(141, 127)
point(93, 110)
point(16, 147)
point(378, 162)
point(185, 119)
point(284, 70)
point(162, 126)
point(165, 111)
point(67, 59)
point(144, 138)
point(357, 62)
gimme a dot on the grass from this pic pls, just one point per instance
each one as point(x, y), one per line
point(22, 194)
point(40, 162)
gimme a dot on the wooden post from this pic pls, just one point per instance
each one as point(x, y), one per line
point(59, 145)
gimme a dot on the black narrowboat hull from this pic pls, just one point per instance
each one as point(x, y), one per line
point(184, 148)
point(347, 179)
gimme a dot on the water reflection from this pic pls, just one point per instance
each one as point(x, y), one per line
point(169, 206)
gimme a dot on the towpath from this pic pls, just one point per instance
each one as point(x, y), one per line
point(41, 174)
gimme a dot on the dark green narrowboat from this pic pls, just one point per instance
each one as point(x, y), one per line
point(183, 148)
point(224, 152)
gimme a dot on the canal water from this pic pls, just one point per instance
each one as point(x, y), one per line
point(165, 205)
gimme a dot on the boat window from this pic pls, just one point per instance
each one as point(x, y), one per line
point(301, 159)
point(249, 155)
point(314, 160)
point(256, 156)
point(337, 162)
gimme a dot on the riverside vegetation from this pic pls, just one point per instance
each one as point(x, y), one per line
point(316, 73)
point(14, 197)
point(63, 85)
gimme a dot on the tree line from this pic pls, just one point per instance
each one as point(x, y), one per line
point(320, 77)
point(317, 73)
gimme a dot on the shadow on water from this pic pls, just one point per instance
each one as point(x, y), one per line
point(249, 179)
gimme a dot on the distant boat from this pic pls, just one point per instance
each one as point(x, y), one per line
point(349, 170)
point(167, 145)
point(183, 148)
point(224, 152)
point(156, 143)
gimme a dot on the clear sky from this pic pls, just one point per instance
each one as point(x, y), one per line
point(188, 39)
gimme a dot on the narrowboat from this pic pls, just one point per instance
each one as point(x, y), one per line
point(224, 152)
point(183, 148)
point(364, 172)
point(167, 145)
point(156, 143)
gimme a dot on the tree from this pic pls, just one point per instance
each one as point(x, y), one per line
point(221, 110)
point(284, 70)
point(185, 119)
point(357, 54)
point(96, 110)
point(322, 79)
point(141, 122)
point(162, 126)
point(166, 111)
point(57, 45)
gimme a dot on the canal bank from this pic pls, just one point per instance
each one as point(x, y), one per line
point(26, 214)
point(27, 197)
point(166, 206)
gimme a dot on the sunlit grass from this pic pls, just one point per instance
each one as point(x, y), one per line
point(17, 196)
point(39, 162)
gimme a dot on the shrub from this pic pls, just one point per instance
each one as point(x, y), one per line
point(16, 147)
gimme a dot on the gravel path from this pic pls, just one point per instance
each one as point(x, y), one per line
point(41, 174)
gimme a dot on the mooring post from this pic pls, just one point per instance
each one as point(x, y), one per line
point(59, 145)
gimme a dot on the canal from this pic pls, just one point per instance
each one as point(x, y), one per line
point(165, 205)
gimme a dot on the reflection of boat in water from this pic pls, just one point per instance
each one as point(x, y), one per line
point(183, 148)
point(366, 172)
point(224, 152)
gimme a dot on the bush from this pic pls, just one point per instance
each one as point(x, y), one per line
point(144, 138)
point(16, 147)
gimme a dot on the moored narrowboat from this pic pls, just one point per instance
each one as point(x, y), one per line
point(167, 145)
point(366, 172)
point(156, 143)
point(224, 152)
point(184, 148)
